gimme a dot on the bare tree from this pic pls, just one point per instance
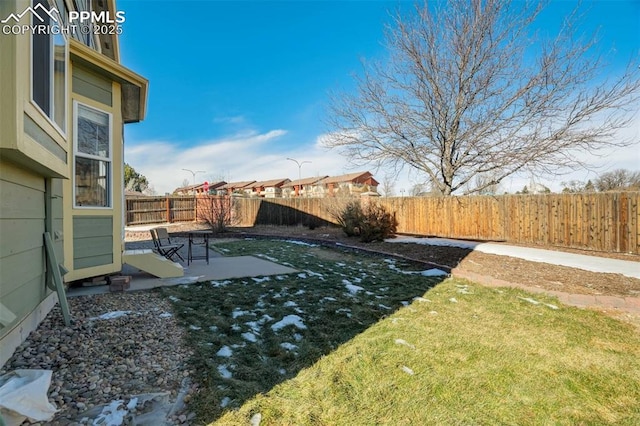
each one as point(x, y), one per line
point(469, 90)
point(388, 185)
point(218, 212)
point(619, 179)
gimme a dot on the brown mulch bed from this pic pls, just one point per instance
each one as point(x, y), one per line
point(534, 274)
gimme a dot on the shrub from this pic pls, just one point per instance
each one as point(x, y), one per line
point(371, 223)
point(350, 218)
point(217, 212)
point(377, 223)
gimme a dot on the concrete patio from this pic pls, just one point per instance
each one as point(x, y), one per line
point(218, 268)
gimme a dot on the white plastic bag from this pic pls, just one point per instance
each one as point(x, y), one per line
point(23, 395)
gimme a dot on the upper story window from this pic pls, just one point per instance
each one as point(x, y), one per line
point(86, 33)
point(93, 156)
point(49, 70)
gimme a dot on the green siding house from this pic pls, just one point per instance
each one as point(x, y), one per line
point(64, 99)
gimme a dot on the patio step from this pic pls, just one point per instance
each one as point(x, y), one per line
point(152, 263)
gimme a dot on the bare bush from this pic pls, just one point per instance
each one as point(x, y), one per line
point(217, 212)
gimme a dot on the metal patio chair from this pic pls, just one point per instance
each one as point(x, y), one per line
point(163, 244)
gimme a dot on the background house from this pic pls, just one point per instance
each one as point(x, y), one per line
point(241, 188)
point(352, 184)
point(301, 187)
point(199, 188)
point(65, 99)
point(268, 188)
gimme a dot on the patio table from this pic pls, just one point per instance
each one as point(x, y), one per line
point(198, 238)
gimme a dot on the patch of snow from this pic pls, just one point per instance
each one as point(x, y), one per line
point(407, 370)
point(238, 313)
point(314, 274)
point(388, 308)
point(195, 327)
point(404, 343)
point(256, 419)
point(213, 328)
point(272, 259)
point(266, 318)
point(331, 299)
point(341, 264)
point(174, 299)
point(294, 320)
point(530, 300)
point(421, 299)
point(225, 351)
point(302, 275)
point(300, 243)
point(280, 277)
point(249, 337)
point(405, 303)
point(549, 305)
point(236, 327)
point(165, 315)
point(282, 371)
point(261, 280)
point(297, 336)
point(220, 283)
point(298, 310)
point(254, 326)
point(353, 289)
point(443, 242)
point(224, 371)
point(435, 272)
point(346, 311)
point(111, 315)
point(299, 292)
point(225, 401)
point(453, 300)
point(288, 346)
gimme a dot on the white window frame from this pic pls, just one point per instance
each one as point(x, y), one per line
point(50, 118)
point(108, 159)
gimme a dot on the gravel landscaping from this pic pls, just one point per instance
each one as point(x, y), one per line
point(119, 346)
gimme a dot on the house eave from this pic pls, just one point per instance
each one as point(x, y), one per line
point(134, 86)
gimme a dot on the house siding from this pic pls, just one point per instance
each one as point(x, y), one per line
point(92, 241)
point(92, 86)
point(32, 129)
point(22, 222)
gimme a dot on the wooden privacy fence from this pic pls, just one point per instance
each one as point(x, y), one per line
point(596, 221)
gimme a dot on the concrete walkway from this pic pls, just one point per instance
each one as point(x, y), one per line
point(571, 260)
point(588, 263)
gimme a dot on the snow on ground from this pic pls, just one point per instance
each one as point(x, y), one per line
point(111, 315)
point(290, 304)
point(435, 272)
point(264, 256)
point(224, 371)
point(300, 243)
point(250, 337)
point(571, 260)
point(294, 320)
point(238, 313)
point(225, 351)
point(261, 280)
point(195, 327)
point(225, 401)
point(220, 283)
point(288, 346)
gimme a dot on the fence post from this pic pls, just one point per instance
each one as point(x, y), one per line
point(168, 210)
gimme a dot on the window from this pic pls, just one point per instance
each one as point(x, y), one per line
point(49, 70)
point(92, 149)
point(85, 35)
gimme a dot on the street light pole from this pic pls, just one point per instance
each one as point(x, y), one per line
point(299, 166)
point(194, 174)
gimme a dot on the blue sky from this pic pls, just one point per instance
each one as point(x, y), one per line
point(236, 87)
